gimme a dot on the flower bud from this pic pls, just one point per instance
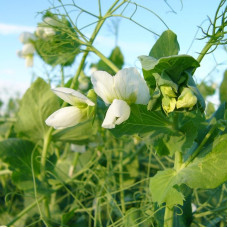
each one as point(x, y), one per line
point(168, 104)
point(167, 91)
point(187, 99)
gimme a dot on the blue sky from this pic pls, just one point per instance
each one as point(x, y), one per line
point(22, 15)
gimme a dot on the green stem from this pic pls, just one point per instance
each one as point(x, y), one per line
point(178, 161)
point(168, 218)
point(62, 76)
point(92, 38)
point(75, 161)
point(197, 151)
point(47, 139)
point(5, 172)
point(104, 59)
point(204, 51)
point(22, 213)
point(121, 183)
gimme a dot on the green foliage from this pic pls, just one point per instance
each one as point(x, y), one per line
point(206, 90)
point(21, 156)
point(37, 104)
point(79, 134)
point(166, 45)
point(206, 171)
point(60, 48)
point(174, 66)
point(164, 156)
point(223, 88)
point(164, 133)
point(116, 57)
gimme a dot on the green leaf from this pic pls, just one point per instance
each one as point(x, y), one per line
point(37, 104)
point(166, 45)
point(185, 218)
point(162, 190)
point(5, 129)
point(167, 134)
point(191, 84)
point(206, 90)
point(206, 171)
point(142, 121)
point(164, 80)
point(223, 88)
point(79, 134)
point(173, 66)
point(18, 154)
point(134, 217)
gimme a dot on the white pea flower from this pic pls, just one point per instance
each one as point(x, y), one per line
point(122, 90)
point(52, 22)
point(28, 49)
point(29, 60)
point(72, 115)
point(44, 32)
point(25, 37)
point(47, 28)
point(27, 53)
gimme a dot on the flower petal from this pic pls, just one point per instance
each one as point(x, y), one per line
point(72, 96)
point(131, 87)
point(52, 22)
point(25, 37)
point(28, 49)
point(29, 60)
point(65, 117)
point(103, 86)
point(49, 32)
point(117, 113)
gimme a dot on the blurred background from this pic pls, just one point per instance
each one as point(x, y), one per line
point(183, 17)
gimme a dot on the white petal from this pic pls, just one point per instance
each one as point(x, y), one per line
point(117, 113)
point(65, 117)
point(29, 61)
point(72, 96)
point(49, 32)
point(25, 37)
point(28, 49)
point(103, 86)
point(52, 22)
point(131, 87)
point(40, 32)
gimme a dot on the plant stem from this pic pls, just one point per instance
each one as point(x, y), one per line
point(92, 38)
point(72, 167)
point(5, 172)
point(24, 211)
point(62, 76)
point(104, 59)
point(178, 160)
point(121, 183)
point(204, 51)
point(47, 139)
point(168, 218)
point(197, 151)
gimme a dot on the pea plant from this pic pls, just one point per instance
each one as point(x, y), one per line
point(119, 146)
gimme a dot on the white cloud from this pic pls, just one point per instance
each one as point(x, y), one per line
point(11, 29)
